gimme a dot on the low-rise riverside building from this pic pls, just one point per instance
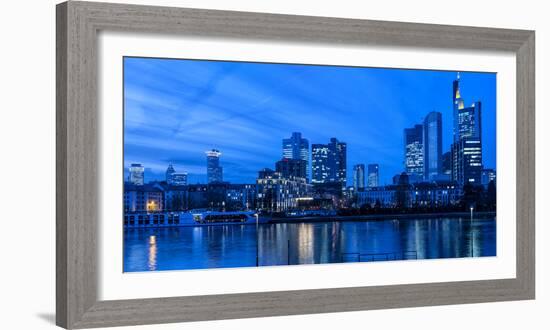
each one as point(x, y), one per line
point(423, 194)
point(432, 194)
point(176, 197)
point(384, 196)
point(143, 198)
point(276, 193)
point(240, 197)
point(218, 196)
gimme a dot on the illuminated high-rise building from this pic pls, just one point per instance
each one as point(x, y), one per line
point(338, 161)
point(358, 177)
point(214, 172)
point(446, 163)
point(488, 175)
point(169, 171)
point(178, 179)
point(297, 147)
point(291, 168)
point(414, 152)
point(136, 175)
point(373, 175)
point(432, 145)
point(466, 151)
point(329, 162)
point(320, 170)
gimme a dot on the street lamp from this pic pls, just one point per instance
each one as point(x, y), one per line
point(257, 242)
point(471, 230)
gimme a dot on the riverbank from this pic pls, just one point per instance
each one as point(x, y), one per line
point(381, 217)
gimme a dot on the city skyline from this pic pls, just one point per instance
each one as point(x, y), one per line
point(191, 115)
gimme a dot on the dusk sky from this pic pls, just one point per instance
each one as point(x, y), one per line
point(175, 110)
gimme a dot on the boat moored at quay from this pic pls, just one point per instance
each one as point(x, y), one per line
point(190, 218)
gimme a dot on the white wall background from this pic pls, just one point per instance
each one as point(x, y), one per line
point(27, 165)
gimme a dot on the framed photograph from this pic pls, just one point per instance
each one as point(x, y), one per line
point(217, 165)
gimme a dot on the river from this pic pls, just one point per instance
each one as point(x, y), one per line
point(180, 248)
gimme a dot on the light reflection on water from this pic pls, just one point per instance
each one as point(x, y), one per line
point(180, 248)
point(152, 263)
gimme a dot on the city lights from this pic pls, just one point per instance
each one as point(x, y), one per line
point(372, 163)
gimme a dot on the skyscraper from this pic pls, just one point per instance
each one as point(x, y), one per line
point(175, 178)
point(467, 161)
point(178, 179)
point(297, 147)
point(136, 175)
point(319, 163)
point(329, 162)
point(488, 175)
point(432, 145)
point(291, 168)
point(466, 120)
point(373, 175)
point(359, 177)
point(414, 152)
point(466, 151)
point(169, 171)
point(338, 161)
point(214, 171)
point(446, 164)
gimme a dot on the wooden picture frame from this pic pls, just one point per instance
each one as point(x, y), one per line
point(78, 24)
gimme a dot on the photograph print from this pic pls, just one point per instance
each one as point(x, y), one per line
point(244, 164)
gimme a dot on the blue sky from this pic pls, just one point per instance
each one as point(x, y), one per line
point(175, 110)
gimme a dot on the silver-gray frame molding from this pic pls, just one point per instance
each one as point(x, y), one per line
point(78, 24)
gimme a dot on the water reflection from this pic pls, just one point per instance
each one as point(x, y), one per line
point(306, 243)
point(152, 253)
